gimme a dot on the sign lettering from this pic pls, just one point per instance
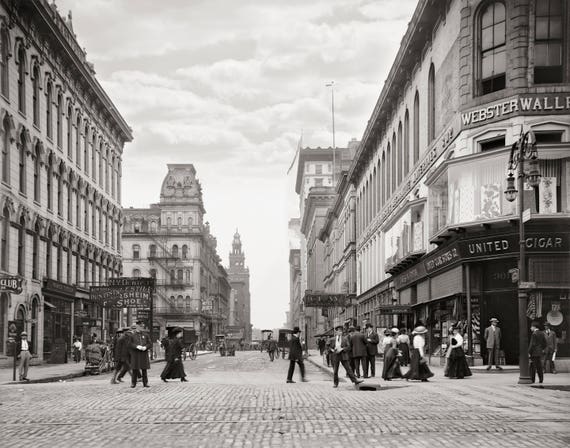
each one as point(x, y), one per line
point(11, 284)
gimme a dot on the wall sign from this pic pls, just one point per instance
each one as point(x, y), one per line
point(11, 283)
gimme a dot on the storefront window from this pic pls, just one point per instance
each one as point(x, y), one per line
point(405, 237)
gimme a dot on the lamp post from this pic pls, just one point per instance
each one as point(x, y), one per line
point(524, 150)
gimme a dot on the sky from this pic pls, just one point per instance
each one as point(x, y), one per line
point(230, 86)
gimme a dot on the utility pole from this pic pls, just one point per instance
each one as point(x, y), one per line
point(331, 85)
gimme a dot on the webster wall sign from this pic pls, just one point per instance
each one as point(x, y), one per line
point(519, 105)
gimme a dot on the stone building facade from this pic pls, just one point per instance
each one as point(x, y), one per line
point(436, 237)
point(62, 141)
point(171, 242)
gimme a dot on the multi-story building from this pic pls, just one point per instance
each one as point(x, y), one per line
point(62, 142)
point(295, 292)
point(238, 274)
point(171, 242)
point(436, 236)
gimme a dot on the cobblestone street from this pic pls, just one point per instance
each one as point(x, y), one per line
point(244, 401)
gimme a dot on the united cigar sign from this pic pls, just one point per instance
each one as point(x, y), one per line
point(519, 105)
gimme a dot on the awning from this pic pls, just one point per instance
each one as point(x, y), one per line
point(49, 305)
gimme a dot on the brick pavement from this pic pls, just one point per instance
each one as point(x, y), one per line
point(244, 402)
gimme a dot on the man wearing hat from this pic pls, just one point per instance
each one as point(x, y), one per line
point(551, 347)
point(340, 348)
point(121, 355)
point(25, 356)
point(493, 340)
point(139, 345)
point(358, 343)
point(295, 355)
point(536, 348)
point(372, 340)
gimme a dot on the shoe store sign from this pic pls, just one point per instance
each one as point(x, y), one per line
point(124, 292)
point(10, 283)
point(518, 105)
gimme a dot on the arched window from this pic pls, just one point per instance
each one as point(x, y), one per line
point(384, 184)
point(69, 202)
point(6, 150)
point(180, 275)
point(36, 252)
point(416, 128)
point(180, 302)
point(59, 119)
point(69, 133)
point(36, 95)
point(21, 79)
point(4, 68)
point(59, 261)
point(175, 251)
point(50, 184)
point(136, 252)
point(49, 245)
point(492, 57)
point(431, 104)
point(406, 143)
point(185, 252)
point(101, 171)
point(86, 149)
point(395, 156)
point(49, 105)
point(77, 210)
point(94, 157)
point(22, 163)
point(400, 154)
point(78, 141)
point(136, 273)
point(34, 324)
point(5, 250)
point(548, 48)
point(93, 220)
point(388, 172)
point(22, 247)
point(86, 214)
point(59, 184)
point(37, 173)
point(153, 226)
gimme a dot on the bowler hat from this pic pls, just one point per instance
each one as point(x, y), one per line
point(494, 319)
point(296, 330)
point(339, 327)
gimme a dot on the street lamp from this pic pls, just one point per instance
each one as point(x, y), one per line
point(524, 150)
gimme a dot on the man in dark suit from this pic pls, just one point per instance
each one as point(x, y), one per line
point(372, 339)
point(536, 348)
point(295, 356)
point(139, 345)
point(341, 349)
point(551, 348)
point(358, 343)
point(121, 356)
point(493, 340)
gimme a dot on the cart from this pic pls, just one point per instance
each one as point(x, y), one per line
point(97, 359)
point(283, 340)
point(221, 344)
point(265, 338)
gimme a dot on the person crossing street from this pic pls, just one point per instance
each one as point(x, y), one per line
point(340, 348)
point(295, 356)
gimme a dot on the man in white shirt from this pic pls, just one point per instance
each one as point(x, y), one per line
point(25, 356)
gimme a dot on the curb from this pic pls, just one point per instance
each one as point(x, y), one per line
point(69, 376)
point(323, 368)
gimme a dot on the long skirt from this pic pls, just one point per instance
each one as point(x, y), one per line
point(173, 369)
point(391, 368)
point(405, 358)
point(419, 370)
point(457, 366)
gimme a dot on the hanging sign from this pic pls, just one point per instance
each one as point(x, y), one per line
point(11, 283)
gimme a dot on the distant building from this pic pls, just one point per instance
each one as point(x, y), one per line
point(62, 142)
point(170, 242)
point(239, 280)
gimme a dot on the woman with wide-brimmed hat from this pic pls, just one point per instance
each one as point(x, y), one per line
point(391, 368)
point(419, 369)
point(174, 368)
point(457, 366)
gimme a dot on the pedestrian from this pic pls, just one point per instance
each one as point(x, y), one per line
point(536, 348)
point(351, 331)
point(358, 351)
point(551, 348)
point(295, 356)
point(419, 369)
point(139, 344)
point(322, 343)
point(391, 368)
point(121, 356)
point(164, 344)
point(77, 346)
point(272, 347)
point(457, 366)
point(403, 341)
point(493, 341)
point(174, 367)
point(340, 349)
point(372, 340)
point(24, 353)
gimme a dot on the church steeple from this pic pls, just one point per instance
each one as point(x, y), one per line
point(237, 257)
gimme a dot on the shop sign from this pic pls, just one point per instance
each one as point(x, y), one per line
point(91, 323)
point(11, 283)
point(143, 314)
point(394, 309)
point(520, 105)
point(442, 259)
point(324, 300)
point(124, 292)
point(410, 276)
point(59, 288)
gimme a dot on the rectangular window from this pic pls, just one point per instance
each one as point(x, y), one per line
point(491, 144)
point(319, 182)
point(318, 169)
point(548, 49)
point(492, 48)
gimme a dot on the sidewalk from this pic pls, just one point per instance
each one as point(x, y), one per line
point(47, 373)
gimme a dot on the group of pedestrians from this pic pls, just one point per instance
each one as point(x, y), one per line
point(131, 354)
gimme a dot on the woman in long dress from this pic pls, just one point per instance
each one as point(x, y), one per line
point(419, 369)
point(457, 362)
point(391, 368)
point(404, 347)
point(174, 368)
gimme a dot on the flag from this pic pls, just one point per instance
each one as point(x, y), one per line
point(296, 152)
